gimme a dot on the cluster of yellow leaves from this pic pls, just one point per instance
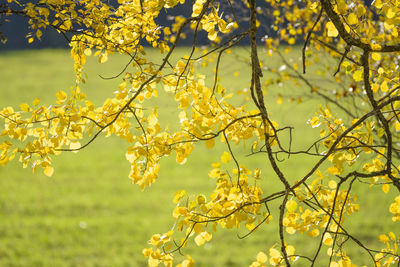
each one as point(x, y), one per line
point(296, 20)
point(344, 261)
point(375, 26)
point(206, 113)
point(212, 23)
point(155, 257)
point(358, 21)
point(64, 126)
point(333, 206)
point(231, 204)
point(106, 30)
point(120, 30)
point(352, 143)
point(356, 142)
point(275, 257)
point(387, 255)
point(389, 16)
point(395, 209)
point(377, 32)
point(101, 26)
point(43, 131)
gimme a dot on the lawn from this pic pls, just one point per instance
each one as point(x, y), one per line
point(89, 214)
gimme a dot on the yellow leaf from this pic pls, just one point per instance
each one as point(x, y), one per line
point(36, 101)
point(181, 159)
point(279, 100)
point(377, 3)
point(88, 52)
point(384, 86)
point(314, 5)
point(48, 171)
point(332, 184)
point(152, 119)
point(345, 262)
point(342, 6)
point(189, 262)
point(179, 211)
point(200, 199)
point(334, 170)
point(390, 14)
point(375, 87)
point(4, 160)
point(385, 188)
point(291, 205)
point(261, 257)
point(392, 236)
point(290, 250)
point(75, 146)
point(327, 240)
point(376, 56)
point(226, 157)
point(210, 143)
point(24, 107)
point(207, 236)
point(332, 31)
point(313, 233)
point(212, 35)
point(39, 34)
point(178, 195)
point(148, 94)
point(215, 164)
point(61, 95)
point(352, 19)
point(214, 173)
point(273, 252)
point(376, 46)
point(314, 122)
point(202, 238)
point(153, 262)
point(275, 256)
point(103, 58)
point(182, 116)
point(290, 230)
point(358, 75)
point(383, 238)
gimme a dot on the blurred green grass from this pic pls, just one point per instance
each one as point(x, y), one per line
point(89, 213)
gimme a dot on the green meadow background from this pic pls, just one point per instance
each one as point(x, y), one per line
point(89, 214)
